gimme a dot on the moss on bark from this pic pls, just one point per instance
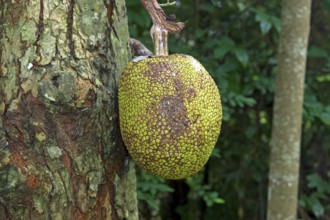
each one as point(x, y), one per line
point(287, 118)
point(61, 155)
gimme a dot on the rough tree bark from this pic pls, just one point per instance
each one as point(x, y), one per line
point(61, 155)
point(287, 118)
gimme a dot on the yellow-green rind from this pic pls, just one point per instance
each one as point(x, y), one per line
point(170, 114)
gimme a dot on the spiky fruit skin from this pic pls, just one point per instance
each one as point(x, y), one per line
point(170, 114)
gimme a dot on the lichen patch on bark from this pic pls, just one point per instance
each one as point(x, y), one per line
point(59, 151)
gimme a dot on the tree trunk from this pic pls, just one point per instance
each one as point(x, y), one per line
point(61, 155)
point(287, 118)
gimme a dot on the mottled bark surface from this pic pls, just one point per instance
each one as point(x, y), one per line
point(61, 156)
point(287, 119)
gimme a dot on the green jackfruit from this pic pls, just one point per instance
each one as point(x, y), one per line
point(170, 114)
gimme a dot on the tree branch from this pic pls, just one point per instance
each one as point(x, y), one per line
point(160, 19)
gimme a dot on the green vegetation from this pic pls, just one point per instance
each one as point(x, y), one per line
point(236, 41)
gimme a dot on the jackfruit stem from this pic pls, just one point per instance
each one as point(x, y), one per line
point(160, 40)
point(162, 25)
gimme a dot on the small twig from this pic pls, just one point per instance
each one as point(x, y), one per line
point(138, 49)
point(168, 3)
point(160, 19)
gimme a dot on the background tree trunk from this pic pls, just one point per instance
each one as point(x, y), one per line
point(61, 155)
point(287, 118)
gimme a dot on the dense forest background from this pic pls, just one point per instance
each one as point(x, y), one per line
point(237, 41)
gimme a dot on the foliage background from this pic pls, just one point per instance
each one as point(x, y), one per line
point(237, 41)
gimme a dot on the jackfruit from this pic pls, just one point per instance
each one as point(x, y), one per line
point(170, 114)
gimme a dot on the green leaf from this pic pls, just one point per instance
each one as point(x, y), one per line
point(225, 44)
point(199, 33)
point(264, 21)
point(154, 187)
point(207, 7)
point(317, 207)
point(325, 117)
point(219, 201)
point(150, 200)
point(216, 153)
point(317, 52)
point(242, 56)
point(241, 6)
point(249, 101)
point(230, 65)
point(313, 180)
point(324, 78)
point(276, 23)
point(265, 27)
